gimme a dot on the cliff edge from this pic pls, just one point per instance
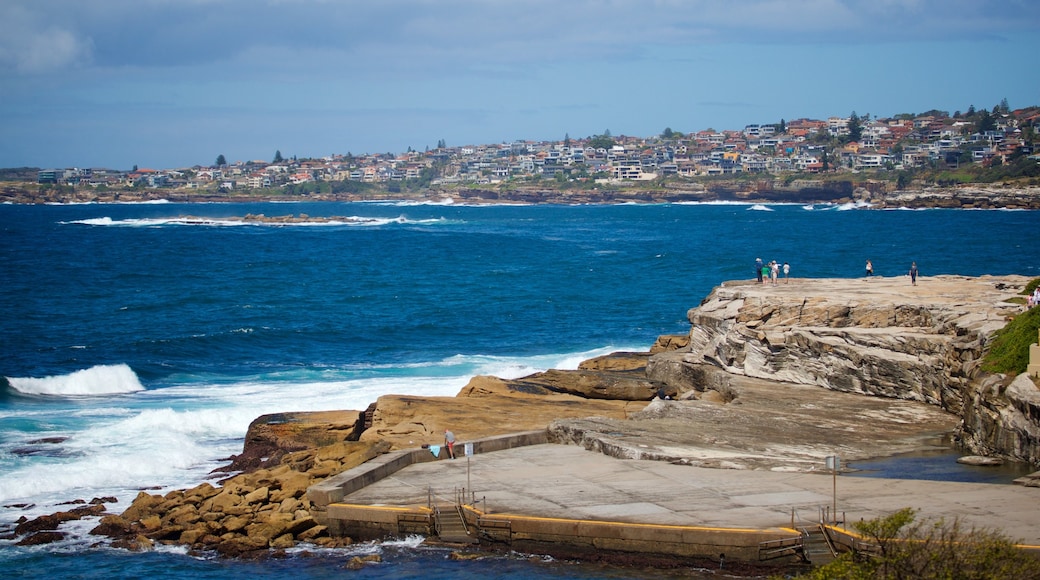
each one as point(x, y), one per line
point(872, 336)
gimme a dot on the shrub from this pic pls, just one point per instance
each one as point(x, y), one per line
point(905, 548)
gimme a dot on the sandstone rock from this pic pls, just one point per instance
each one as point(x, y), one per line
point(618, 361)
point(408, 421)
point(630, 385)
point(359, 562)
point(670, 342)
point(192, 536)
point(240, 546)
point(312, 533)
point(112, 526)
point(980, 461)
point(269, 437)
point(257, 496)
point(878, 337)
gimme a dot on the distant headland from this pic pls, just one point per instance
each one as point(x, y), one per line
point(974, 159)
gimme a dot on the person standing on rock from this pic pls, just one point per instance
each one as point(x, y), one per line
point(758, 269)
point(870, 269)
point(449, 443)
point(787, 272)
point(913, 273)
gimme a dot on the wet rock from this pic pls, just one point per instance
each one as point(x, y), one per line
point(40, 538)
point(980, 461)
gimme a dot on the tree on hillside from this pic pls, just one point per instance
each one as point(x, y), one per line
point(601, 142)
point(278, 157)
point(905, 548)
point(986, 122)
point(782, 127)
point(221, 161)
point(667, 133)
point(855, 128)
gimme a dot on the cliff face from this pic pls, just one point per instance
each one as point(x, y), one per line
point(876, 336)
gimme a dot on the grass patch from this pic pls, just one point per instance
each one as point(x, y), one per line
point(1009, 352)
point(1030, 287)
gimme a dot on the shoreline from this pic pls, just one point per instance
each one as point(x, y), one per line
point(971, 196)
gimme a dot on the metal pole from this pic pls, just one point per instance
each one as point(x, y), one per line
point(834, 482)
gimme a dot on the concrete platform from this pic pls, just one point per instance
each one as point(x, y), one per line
point(568, 482)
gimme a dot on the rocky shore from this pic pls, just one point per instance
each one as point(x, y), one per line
point(770, 378)
point(872, 194)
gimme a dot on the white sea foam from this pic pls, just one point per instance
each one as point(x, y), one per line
point(173, 437)
point(759, 207)
point(96, 381)
point(339, 221)
point(855, 205)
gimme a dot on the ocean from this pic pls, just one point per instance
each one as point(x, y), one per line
point(139, 340)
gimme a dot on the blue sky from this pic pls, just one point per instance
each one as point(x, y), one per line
point(175, 83)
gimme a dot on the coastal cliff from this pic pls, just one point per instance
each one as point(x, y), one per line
point(874, 336)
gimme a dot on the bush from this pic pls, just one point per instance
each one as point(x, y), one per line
point(905, 548)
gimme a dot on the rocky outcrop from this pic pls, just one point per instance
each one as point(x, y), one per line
point(876, 336)
point(254, 512)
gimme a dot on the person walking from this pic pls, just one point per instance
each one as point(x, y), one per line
point(913, 273)
point(870, 269)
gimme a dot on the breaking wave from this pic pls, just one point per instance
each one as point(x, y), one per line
point(96, 381)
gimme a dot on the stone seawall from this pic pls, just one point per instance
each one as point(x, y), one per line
point(873, 336)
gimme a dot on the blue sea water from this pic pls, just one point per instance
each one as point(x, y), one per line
point(139, 341)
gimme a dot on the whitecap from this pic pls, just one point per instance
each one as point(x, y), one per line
point(759, 207)
point(95, 381)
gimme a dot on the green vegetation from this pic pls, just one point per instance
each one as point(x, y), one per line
point(1009, 352)
point(904, 548)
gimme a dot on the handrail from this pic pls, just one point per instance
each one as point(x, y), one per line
point(828, 540)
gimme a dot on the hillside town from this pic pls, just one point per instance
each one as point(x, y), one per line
point(798, 147)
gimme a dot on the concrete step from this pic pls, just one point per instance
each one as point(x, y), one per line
point(452, 528)
point(816, 549)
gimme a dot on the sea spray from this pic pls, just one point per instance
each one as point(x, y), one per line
point(99, 380)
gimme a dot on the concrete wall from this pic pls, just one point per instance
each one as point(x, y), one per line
point(335, 488)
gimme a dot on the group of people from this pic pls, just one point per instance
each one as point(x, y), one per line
point(1034, 298)
point(771, 271)
point(770, 274)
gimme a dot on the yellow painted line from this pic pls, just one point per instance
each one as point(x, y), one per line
point(509, 516)
point(859, 536)
point(386, 508)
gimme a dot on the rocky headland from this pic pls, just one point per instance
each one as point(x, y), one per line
point(769, 378)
